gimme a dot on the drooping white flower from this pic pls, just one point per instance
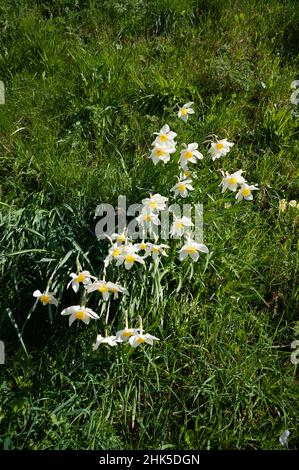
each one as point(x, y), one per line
point(192, 248)
point(245, 192)
point(161, 153)
point(78, 312)
point(100, 286)
point(116, 289)
point(147, 218)
point(180, 225)
point(156, 250)
point(155, 203)
point(186, 174)
point(110, 340)
point(189, 155)
point(185, 111)
point(165, 137)
point(129, 257)
point(106, 288)
point(45, 298)
point(142, 246)
point(115, 251)
point(126, 333)
point(120, 238)
point(141, 338)
point(83, 277)
point(295, 354)
point(182, 188)
point(220, 148)
point(231, 181)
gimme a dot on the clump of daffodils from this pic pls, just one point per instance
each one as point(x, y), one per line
point(123, 253)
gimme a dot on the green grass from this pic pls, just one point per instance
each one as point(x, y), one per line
point(86, 87)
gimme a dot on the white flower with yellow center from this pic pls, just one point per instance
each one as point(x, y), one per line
point(83, 277)
point(140, 338)
point(147, 218)
point(185, 111)
point(142, 246)
point(232, 181)
point(126, 333)
point(180, 225)
point(115, 251)
point(220, 148)
point(110, 340)
point(155, 203)
point(129, 257)
point(116, 289)
point(245, 192)
point(100, 286)
point(120, 238)
point(192, 249)
point(156, 250)
point(165, 137)
point(182, 188)
point(45, 298)
point(186, 174)
point(78, 312)
point(189, 155)
point(161, 153)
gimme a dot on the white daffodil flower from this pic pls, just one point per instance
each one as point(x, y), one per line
point(83, 277)
point(141, 338)
point(189, 155)
point(45, 298)
point(120, 238)
point(185, 111)
point(231, 181)
point(155, 203)
point(126, 333)
point(129, 257)
point(186, 174)
point(156, 250)
point(116, 289)
point(147, 218)
point(161, 153)
point(142, 246)
point(245, 192)
point(165, 137)
point(182, 188)
point(180, 225)
point(294, 99)
point(100, 286)
point(295, 84)
point(115, 251)
point(78, 312)
point(220, 148)
point(192, 249)
point(110, 340)
point(295, 354)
